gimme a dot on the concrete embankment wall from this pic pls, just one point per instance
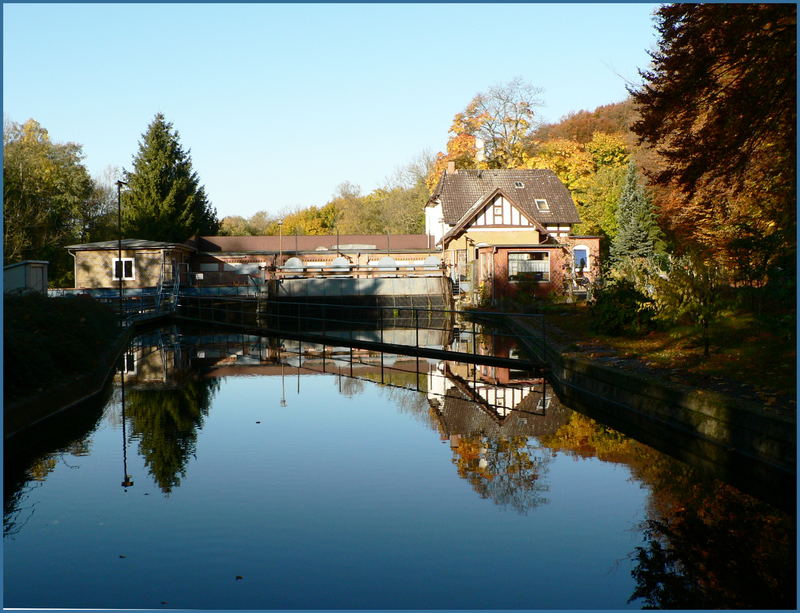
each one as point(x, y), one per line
point(727, 437)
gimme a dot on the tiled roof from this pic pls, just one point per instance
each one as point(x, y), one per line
point(460, 190)
point(459, 414)
point(347, 242)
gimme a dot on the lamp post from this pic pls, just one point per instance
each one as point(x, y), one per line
point(126, 480)
point(119, 246)
point(280, 241)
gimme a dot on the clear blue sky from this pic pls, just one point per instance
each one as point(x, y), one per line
point(280, 103)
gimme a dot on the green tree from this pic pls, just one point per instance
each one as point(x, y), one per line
point(638, 235)
point(234, 225)
point(164, 200)
point(691, 292)
point(166, 421)
point(46, 189)
point(597, 202)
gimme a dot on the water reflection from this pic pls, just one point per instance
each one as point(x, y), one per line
point(489, 415)
point(704, 544)
point(33, 454)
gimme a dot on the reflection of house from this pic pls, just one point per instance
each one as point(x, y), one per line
point(155, 360)
point(469, 407)
point(502, 228)
point(143, 263)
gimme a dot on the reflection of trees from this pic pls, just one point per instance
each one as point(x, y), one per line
point(30, 455)
point(505, 470)
point(350, 386)
point(706, 545)
point(721, 549)
point(409, 402)
point(166, 421)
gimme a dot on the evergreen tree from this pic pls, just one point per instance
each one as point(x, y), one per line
point(165, 200)
point(638, 234)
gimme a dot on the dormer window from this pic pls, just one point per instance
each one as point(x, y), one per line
point(519, 184)
point(542, 205)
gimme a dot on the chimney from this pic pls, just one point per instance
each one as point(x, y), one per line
point(451, 168)
point(480, 154)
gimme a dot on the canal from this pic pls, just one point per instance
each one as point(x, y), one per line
point(227, 471)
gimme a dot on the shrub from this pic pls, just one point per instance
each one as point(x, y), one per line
point(48, 340)
point(620, 308)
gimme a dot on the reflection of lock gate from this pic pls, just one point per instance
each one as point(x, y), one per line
point(414, 330)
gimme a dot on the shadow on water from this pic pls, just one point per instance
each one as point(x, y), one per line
point(704, 543)
point(32, 453)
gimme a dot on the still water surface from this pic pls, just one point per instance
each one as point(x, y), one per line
point(242, 478)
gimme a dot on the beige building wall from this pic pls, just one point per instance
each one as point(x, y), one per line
point(94, 269)
point(527, 236)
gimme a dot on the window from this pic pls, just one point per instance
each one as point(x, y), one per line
point(541, 204)
point(534, 265)
point(127, 364)
point(580, 258)
point(498, 212)
point(519, 184)
point(125, 266)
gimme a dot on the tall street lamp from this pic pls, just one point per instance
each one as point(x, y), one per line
point(280, 241)
point(119, 246)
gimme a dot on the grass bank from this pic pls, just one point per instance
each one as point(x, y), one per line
point(748, 358)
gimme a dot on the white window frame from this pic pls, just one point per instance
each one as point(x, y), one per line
point(129, 363)
point(543, 207)
point(114, 276)
point(588, 253)
point(545, 276)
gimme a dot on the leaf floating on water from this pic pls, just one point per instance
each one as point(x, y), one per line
point(239, 577)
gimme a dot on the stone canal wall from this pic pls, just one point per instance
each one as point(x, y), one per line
point(731, 438)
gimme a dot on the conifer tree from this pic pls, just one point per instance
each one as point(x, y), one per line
point(638, 234)
point(164, 200)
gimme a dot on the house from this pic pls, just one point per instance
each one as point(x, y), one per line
point(503, 229)
point(142, 263)
point(25, 276)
